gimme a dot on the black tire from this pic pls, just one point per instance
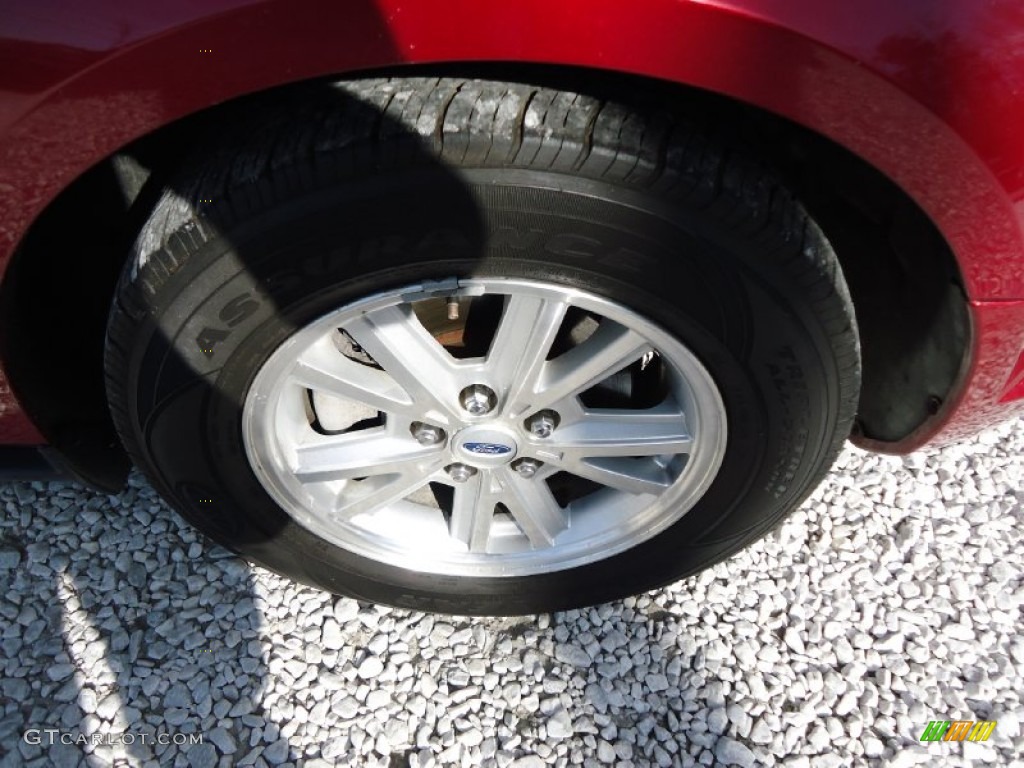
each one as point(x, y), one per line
point(352, 188)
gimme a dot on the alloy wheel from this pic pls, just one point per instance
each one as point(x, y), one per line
point(484, 427)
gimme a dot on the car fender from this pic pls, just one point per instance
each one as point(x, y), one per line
point(925, 92)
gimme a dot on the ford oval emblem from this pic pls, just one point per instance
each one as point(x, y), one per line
point(487, 449)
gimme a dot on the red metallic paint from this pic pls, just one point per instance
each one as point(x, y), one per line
point(927, 91)
point(994, 392)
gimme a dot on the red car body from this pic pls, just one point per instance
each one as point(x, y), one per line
point(931, 94)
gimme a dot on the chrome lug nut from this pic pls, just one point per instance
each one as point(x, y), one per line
point(427, 434)
point(527, 467)
point(478, 399)
point(542, 424)
point(460, 473)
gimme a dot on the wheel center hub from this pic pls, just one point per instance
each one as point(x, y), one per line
point(485, 446)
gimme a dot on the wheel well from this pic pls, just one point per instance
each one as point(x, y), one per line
point(902, 274)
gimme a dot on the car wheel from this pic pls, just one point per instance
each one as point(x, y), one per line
point(478, 347)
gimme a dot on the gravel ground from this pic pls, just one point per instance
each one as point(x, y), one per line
point(893, 597)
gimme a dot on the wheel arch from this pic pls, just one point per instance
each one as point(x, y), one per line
point(908, 298)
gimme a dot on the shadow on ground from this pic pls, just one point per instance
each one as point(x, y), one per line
point(118, 618)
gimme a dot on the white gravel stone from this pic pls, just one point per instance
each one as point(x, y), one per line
point(201, 756)
point(818, 738)
point(979, 753)
point(761, 733)
point(717, 721)
point(345, 610)
point(223, 740)
point(528, 761)
point(732, 752)
point(332, 637)
point(559, 724)
point(794, 640)
point(277, 753)
point(370, 667)
point(9, 558)
point(605, 752)
point(873, 747)
point(572, 654)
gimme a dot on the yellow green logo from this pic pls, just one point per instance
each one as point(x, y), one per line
point(958, 730)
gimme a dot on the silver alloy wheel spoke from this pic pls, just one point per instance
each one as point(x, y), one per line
point(473, 512)
point(381, 490)
point(622, 474)
point(533, 506)
point(353, 455)
point(521, 343)
point(345, 441)
point(604, 446)
point(398, 342)
point(608, 432)
point(321, 368)
point(607, 351)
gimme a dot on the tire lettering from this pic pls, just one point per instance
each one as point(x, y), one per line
point(208, 339)
point(238, 309)
point(235, 311)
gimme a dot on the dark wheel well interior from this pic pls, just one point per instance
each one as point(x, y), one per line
point(904, 280)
